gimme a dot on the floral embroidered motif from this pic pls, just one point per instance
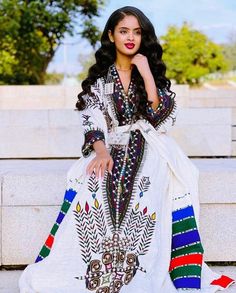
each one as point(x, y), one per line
point(119, 260)
point(143, 185)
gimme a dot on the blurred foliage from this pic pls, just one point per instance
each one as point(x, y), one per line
point(31, 31)
point(229, 51)
point(86, 61)
point(53, 78)
point(190, 55)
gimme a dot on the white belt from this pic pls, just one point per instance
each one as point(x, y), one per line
point(120, 134)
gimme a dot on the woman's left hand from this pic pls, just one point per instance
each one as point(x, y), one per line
point(142, 64)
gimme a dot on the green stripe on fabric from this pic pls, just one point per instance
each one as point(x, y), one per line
point(65, 207)
point(196, 248)
point(189, 270)
point(54, 229)
point(44, 251)
point(184, 225)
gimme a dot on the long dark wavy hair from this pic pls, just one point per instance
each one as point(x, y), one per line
point(106, 56)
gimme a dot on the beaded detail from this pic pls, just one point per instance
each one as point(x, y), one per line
point(125, 102)
point(90, 138)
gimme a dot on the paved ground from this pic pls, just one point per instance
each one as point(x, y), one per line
point(8, 279)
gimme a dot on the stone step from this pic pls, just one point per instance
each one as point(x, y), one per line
point(9, 279)
point(61, 96)
point(32, 192)
point(58, 134)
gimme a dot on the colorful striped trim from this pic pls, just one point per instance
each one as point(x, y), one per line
point(186, 250)
point(184, 239)
point(194, 259)
point(188, 282)
point(223, 282)
point(68, 198)
point(190, 270)
point(182, 213)
point(189, 249)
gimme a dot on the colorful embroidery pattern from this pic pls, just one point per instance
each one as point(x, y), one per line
point(186, 251)
point(90, 137)
point(126, 180)
point(165, 109)
point(68, 198)
point(140, 228)
point(119, 254)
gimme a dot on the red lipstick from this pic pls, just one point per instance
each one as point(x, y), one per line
point(129, 45)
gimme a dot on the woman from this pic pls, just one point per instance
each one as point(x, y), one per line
point(129, 220)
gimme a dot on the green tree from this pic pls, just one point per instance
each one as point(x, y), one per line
point(190, 55)
point(229, 50)
point(31, 32)
point(53, 78)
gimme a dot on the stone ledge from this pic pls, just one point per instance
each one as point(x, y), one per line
point(58, 133)
point(33, 190)
point(42, 182)
point(34, 227)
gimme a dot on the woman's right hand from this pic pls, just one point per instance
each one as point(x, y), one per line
point(100, 163)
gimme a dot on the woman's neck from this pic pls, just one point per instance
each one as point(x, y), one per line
point(123, 63)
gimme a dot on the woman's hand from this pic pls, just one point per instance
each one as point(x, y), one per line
point(142, 65)
point(100, 163)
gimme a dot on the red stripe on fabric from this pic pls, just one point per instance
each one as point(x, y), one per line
point(49, 241)
point(223, 281)
point(185, 260)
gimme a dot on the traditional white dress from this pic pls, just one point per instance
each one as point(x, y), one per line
point(135, 230)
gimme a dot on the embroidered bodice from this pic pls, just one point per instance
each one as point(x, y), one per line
point(124, 109)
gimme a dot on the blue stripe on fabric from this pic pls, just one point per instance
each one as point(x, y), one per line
point(183, 213)
point(39, 258)
point(185, 239)
point(70, 195)
point(60, 218)
point(188, 282)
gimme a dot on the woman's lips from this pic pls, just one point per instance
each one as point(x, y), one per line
point(129, 45)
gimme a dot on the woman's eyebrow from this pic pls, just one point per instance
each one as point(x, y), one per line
point(124, 27)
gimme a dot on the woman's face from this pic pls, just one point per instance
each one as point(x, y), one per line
point(127, 36)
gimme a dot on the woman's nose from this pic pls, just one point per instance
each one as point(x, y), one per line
point(131, 36)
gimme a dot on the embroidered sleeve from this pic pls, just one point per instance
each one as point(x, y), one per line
point(164, 110)
point(89, 138)
point(93, 119)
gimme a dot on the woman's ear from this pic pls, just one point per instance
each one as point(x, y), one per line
point(110, 36)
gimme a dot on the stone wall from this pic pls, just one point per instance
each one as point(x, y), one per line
point(39, 124)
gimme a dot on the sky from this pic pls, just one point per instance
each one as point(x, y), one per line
point(215, 18)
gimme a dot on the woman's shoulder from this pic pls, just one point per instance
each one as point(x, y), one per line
point(95, 99)
point(98, 84)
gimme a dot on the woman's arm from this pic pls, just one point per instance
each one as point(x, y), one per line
point(94, 125)
point(143, 67)
point(161, 102)
point(151, 90)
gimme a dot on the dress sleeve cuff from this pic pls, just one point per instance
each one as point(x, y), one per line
point(90, 137)
point(158, 109)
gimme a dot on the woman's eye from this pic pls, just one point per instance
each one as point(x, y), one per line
point(138, 32)
point(123, 32)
